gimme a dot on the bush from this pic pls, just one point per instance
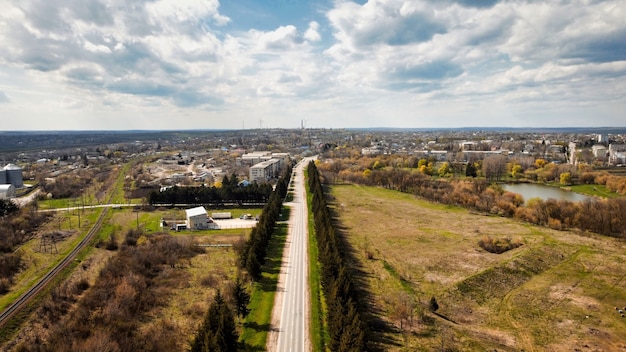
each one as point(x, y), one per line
point(81, 286)
point(210, 280)
point(5, 285)
point(111, 244)
point(498, 245)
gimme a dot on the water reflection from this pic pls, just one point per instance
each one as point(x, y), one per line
point(531, 190)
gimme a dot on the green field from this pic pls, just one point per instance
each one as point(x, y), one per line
point(557, 292)
point(594, 190)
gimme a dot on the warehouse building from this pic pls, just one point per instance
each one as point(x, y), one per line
point(198, 219)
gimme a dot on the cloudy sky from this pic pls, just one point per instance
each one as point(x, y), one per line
point(232, 64)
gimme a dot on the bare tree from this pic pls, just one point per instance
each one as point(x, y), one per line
point(494, 167)
point(404, 309)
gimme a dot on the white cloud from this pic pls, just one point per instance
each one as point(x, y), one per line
point(384, 22)
point(410, 59)
point(284, 37)
point(312, 33)
point(3, 97)
point(96, 48)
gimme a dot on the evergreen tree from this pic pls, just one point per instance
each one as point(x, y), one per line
point(470, 170)
point(353, 337)
point(433, 305)
point(253, 266)
point(241, 299)
point(218, 331)
point(7, 207)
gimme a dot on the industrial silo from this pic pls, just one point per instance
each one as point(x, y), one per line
point(14, 175)
point(7, 191)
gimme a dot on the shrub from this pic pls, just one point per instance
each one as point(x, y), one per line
point(111, 244)
point(81, 285)
point(498, 245)
point(209, 281)
point(5, 284)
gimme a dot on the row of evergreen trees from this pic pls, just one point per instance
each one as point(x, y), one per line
point(344, 323)
point(218, 331)
point(231, 191)
point(252, 253)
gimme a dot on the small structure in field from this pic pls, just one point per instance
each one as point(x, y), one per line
point(197, 219)
point(222, 215)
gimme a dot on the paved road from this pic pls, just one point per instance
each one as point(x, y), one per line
point(22, 201)
point(291, 307)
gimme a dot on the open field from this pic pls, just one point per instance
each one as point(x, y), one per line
point(557, 292)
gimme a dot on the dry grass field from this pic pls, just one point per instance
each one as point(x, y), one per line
point(557, 292)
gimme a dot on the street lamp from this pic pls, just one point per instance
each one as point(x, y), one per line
point(137, 213)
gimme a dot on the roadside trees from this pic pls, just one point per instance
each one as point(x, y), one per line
point(241, 299)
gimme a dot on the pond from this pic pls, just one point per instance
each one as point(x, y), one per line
point(531, 190)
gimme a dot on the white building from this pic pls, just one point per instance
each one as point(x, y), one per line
point(265, 170)
point(599, 151)
point(617, 153)
point(376, 150)
point(283, 157)
point(197, 218)
point(256, 157)
point(261, 156)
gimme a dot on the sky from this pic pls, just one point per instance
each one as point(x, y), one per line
point(243, 64)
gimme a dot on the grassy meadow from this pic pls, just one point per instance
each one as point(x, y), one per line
point(556, 292)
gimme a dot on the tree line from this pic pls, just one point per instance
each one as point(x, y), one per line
point(231, 191)
point(252, 253)
point(343, 320)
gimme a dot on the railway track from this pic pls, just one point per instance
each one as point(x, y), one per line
point(21, 302)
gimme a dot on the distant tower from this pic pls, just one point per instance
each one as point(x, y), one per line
point(572, 153)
